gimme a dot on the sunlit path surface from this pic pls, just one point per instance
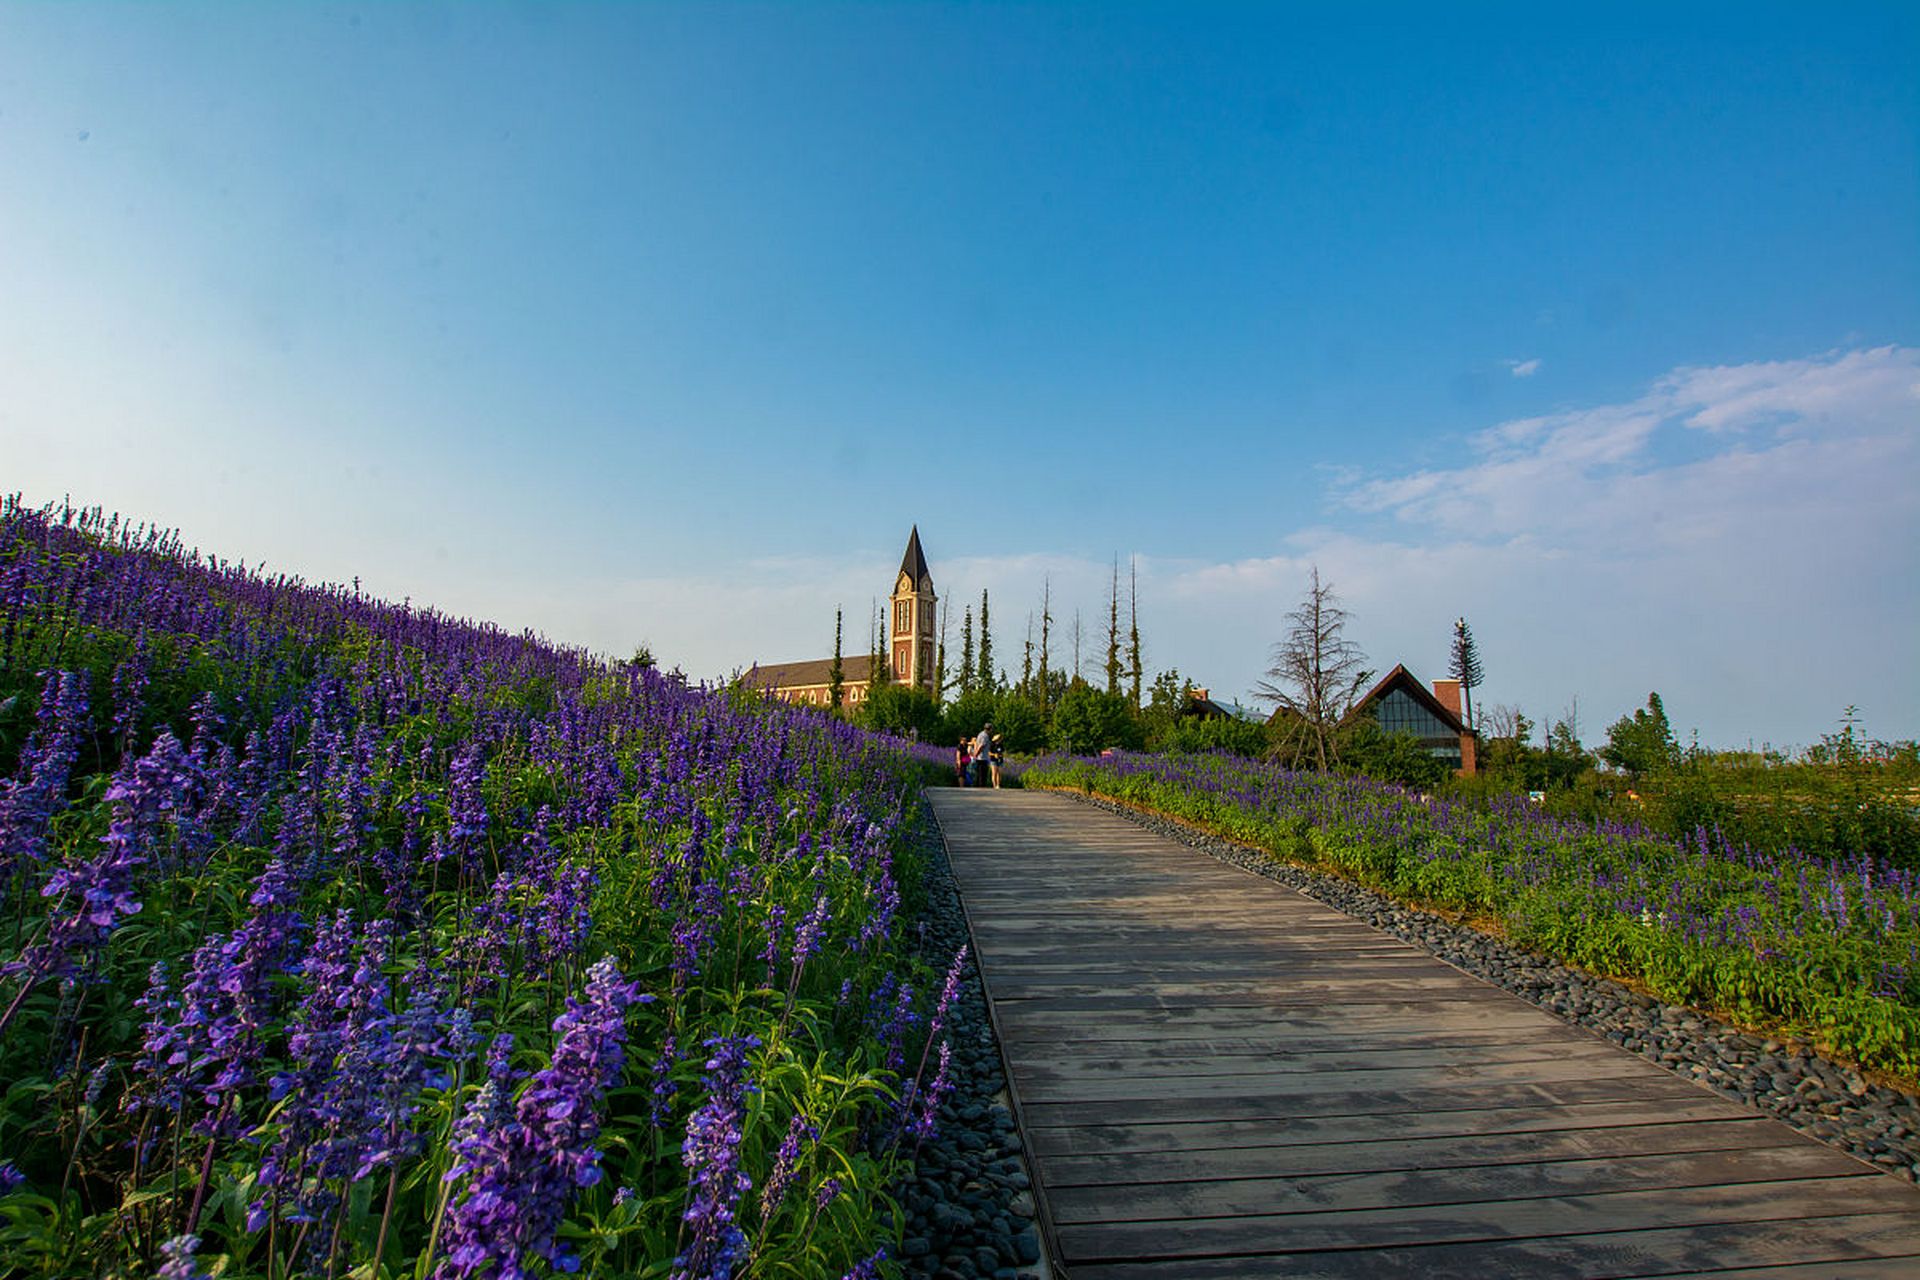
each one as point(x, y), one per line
point(1217, 1076)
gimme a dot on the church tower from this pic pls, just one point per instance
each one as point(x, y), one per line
point(911, 635)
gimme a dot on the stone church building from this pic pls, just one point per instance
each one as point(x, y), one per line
point(911, 618)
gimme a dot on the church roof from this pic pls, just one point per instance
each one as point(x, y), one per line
point(854, 669)
point(914, 563)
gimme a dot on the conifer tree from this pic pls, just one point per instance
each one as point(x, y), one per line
point(1133, 628)
point(836, 674)
point(1113, 629)
point(940, 659)
point(985, 679)
point(1465, 666)
point(882, 673)
point(1026, 663)
point(966, 652)
point(1046, 627)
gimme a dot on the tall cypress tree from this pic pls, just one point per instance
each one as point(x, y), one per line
point(1133, 628)
point(836, 674)
point(1113, 629)
point(985, 680)
point(940, 660)
point(1026, 664)
point(1465, 666)
point(1046, 627)
point(882, 674)
point(966, 652)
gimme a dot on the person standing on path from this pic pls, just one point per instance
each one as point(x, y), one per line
point(982, 748)
point(996, 758)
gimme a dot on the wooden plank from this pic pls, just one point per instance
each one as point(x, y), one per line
point(1038, 1086)
point(1151, 1045)
point(1060, 1062)
point(1234, 995)
point(1441, 1151)
point(1222, 1105)
point(1190, 1197)
point(1404, 1226)
point(1224, 1138)
point(1356, 1024)
point(1881, 1246)
point(1119, 959)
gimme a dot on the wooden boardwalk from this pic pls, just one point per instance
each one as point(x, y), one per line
point(1219, 1077)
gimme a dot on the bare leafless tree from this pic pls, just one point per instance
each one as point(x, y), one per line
point(1316, 677)
point(1502, 720)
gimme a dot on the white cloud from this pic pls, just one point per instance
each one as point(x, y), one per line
point(1523, 368)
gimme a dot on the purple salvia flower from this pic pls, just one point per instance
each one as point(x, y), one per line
point(712, 1154)
point(810, 932)
point(663, 1085)
point(774, 926)
point(948, 991)
point(923, 1125)
point(345, 995)
point(786, 1163)
point(867, 1268)
point(156, 1079)
point(91, 896)
point(490, 1111)
point(899, 1023)
point(879, 922)
point(129, 690)
point(46, 762)
point(466, 805)
point(522, 1174)
point(180, 1263)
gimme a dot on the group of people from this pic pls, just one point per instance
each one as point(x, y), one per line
point(979, 758)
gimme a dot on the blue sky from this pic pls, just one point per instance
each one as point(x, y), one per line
point(665, 323)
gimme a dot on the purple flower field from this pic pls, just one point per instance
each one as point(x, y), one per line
point(1827, 948)
point(350, 939)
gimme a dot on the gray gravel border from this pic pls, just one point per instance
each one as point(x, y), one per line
point(969, 1203)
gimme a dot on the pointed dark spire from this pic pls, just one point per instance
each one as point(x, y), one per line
point(914, 563)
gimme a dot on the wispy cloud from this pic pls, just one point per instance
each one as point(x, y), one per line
point(1523, 368)
point(1609, 474)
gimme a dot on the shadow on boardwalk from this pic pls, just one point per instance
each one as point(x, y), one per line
point(1217, 1076)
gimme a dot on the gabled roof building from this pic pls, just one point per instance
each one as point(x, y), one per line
point(1401, 704)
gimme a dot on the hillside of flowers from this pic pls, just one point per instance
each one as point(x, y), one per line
point(1829, 947)
point(341, 938)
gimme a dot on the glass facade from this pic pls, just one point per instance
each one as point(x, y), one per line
point(1398, 712)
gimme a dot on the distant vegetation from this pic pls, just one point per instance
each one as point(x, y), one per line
point(1845, 796)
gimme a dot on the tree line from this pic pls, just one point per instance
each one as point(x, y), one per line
point(1846, 795)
